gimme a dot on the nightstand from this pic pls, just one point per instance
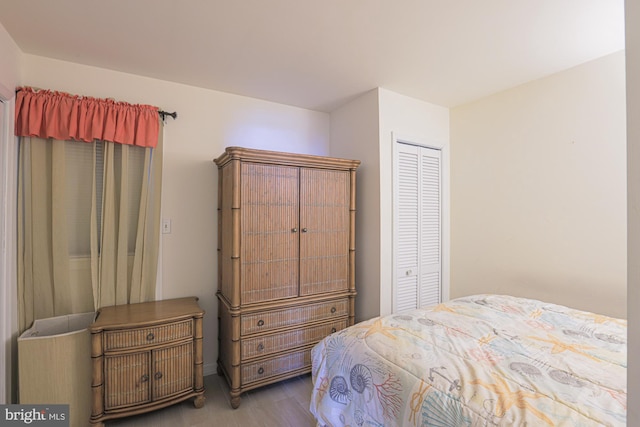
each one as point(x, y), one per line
point(146, 356)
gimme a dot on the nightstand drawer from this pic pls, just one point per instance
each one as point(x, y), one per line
point(274, 319)
point(257, 371)
point(273, 343)
point(142, 337)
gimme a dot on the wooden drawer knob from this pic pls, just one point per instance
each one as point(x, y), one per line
point(333, 310)
point(261, 371)
point(150, 337)
point(260, 347)
point(333, 330)
point(158, 375)
point(144, 378)
point(260, 322)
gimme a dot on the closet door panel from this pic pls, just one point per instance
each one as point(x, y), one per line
point(324, 238)
point(418, 222)
point(430, 224)
point(407, 226)
point(269, 232)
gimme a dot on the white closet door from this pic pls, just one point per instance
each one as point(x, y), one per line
point(429, 290)
point(417, 227)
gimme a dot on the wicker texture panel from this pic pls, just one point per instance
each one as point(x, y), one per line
point(269, 254)
point(274, 319)
point(252, 372)
point(57, 368)
point(225, 337)
point(274, 343)
point(226, 263)
point(132, 338)
point(173, 370)
point(127, 380)
point(324, 246)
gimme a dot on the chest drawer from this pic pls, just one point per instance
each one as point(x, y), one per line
point(256, 371)
point(152, 335)
point(273, 343)
point(274, 319)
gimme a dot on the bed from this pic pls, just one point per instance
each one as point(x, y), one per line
point(481, 360)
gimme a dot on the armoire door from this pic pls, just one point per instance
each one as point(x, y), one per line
point(417, 216)
point(269, 232)
point(324, 237)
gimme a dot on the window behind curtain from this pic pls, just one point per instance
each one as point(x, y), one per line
point(79, 157)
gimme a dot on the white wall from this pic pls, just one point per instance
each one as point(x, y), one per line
point(9, 79)
point(207, 122)
point(10, 63)
point(354, 134)
point(539, 190)
point(363, 129)
point(632, 12)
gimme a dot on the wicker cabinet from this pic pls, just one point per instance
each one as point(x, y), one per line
point(286, 253)
point(146, 356)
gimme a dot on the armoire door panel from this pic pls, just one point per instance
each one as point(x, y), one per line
point(269, 232)
point(324, 274)
point(271, 280)
point(324, 238)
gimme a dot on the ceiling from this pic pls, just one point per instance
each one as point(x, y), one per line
point(320, 54)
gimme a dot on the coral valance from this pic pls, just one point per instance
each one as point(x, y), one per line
point(59, 115)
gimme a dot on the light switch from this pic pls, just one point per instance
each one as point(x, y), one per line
point(166, 226)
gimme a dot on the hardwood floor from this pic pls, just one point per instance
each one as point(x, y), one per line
point(277, 405)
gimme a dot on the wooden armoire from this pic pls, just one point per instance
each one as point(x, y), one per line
point(286, 261)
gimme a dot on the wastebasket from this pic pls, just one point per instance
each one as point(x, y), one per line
point(54, 364)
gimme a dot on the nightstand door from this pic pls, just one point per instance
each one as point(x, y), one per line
point(172, 370)
point(127, 380)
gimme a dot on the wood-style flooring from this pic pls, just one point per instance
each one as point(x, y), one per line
point(284, 404)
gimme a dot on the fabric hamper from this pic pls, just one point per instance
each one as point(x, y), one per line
point(54, 364)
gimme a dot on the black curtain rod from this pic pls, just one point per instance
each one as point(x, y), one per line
point(164, 114)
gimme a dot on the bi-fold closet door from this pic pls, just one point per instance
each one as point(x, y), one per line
point(417, 227)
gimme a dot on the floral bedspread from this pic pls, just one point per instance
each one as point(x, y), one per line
point(482, 360)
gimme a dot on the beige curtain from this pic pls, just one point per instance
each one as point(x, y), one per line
point(121, 265)
point(119, 276)
point(43, 261)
